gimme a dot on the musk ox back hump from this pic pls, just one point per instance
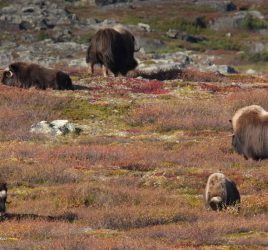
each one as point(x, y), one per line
point(250, 132)
point(220, 192)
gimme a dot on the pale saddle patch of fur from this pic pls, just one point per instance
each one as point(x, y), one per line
point(245, 110)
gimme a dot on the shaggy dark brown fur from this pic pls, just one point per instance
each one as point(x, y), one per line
point(221, 192)
point(250, 132)
point(113, 49)
point(3, 198)
point(26, 75)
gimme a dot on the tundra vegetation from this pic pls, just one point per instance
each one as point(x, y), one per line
point(136, 174)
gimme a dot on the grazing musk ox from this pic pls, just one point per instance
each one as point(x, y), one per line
point(250, 132)
point(221, 192)
point(112, 48)
point(26, 75)
point(3, 198)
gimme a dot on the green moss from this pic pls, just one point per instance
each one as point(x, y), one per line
point(222, 43)
point(42, 35)
point(253, 23)
point(247, 234)
point(84, 38)
point(4, 3)
point(128, 19)
point(77, 110)
point(104, 233)
point(256, 57)
point(193, 200)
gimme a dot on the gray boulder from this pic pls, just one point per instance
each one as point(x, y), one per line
point(145, 27)
point(54, 128)
point(223, 69)
point(218, 4)
point(235, 21)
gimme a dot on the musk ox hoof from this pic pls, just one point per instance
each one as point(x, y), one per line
point(55, 128)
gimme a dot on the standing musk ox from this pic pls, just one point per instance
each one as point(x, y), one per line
point(3, 198)
point(250, 132)
point(221, 192)
point(113, 49)
point(26, 75)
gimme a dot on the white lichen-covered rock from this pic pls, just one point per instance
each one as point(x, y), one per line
point(54, 128)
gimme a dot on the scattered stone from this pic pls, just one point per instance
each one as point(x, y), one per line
point(55, 128)
point(218, 5)
point(222, 69)
point(61, 35)
point(193, 39)
point(200, 22)
point(235, 21)
point(251, 72)
point(145, 27)
point(25, 25)
point(174, 34)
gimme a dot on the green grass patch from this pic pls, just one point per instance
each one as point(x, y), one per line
point(4, 3)
point(78, 110)
point(253, 23)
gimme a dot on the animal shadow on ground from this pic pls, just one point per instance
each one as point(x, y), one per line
point(80, 87)
point(68, 217)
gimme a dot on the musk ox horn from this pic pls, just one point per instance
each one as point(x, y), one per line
point(138, 49)
point(10, 73)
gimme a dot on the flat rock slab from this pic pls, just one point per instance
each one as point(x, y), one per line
point(55, 128)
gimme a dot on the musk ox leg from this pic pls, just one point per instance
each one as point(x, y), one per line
point(104, 71)
point(91, 68)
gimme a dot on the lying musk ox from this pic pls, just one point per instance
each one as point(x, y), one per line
point(220, 192)
point(3, 198)
point(26, 75)
point(250, 132)
point(113, 49)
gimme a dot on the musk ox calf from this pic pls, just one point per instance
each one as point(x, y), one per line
point(113, 49)
point(3, 198)
point(26, 75)
point(250, 132)
point(220, 192)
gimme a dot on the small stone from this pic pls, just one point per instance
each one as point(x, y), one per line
point(145, 27)
point(25, 25)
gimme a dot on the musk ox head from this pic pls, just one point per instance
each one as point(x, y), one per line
point(3, 198)
point(9, 76)
point(220, 192)
point(113, 48)
point(250, 132)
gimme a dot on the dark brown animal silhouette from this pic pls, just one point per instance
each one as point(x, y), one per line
point(250, 132)
point(221, 192)
point(3, 198)
point(26, 75)
point(113, 49)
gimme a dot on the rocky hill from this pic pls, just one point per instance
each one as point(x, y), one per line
point(122, 163)
point(207, 35)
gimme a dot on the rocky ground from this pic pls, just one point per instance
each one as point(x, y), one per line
point(217, 37)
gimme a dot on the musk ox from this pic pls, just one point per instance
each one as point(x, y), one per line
point(250, 132)
point(221, 192)
point(3, 198)
point(26, 75)
point(112, 48)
